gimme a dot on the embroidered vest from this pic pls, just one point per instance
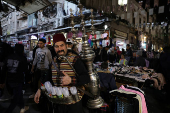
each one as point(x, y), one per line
point(64, 66)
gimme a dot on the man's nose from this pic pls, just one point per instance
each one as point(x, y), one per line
point(60, 48)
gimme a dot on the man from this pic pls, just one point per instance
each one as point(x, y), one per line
point(34, 50)
point(14, 67)
point(129, 53)
point(70, 78)
point(100, 53)
point(69, 43)
point(105, 55)
point(140, 61)
point(5, 51)
point(43, 60)
point(96, 51)
point(107, 82)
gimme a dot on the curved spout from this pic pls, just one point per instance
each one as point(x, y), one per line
point(65, 58)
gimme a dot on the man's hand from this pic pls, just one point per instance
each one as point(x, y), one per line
point(37, 96)
point(32, 70)
point(66, 79)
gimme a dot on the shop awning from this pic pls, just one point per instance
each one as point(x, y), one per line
point(30, 8)
point(7, 9)
point(121, 37)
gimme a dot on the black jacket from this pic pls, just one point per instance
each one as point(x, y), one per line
point(14, 68)
point(129, 53)
point(96, 51)
point(140, 61)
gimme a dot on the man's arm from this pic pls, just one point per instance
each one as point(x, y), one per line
point(49, 56)
point(3, 73)
point(34, 62)
point(25, 69)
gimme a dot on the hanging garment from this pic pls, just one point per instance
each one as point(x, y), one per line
point(144, 108)
point(134, 106)
point(134, 88)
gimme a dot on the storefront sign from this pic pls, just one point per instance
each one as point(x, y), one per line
point(24, 41)
point(15, 40)
point(121, 33)
point(19, 42)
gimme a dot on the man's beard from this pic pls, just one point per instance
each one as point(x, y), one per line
point(59, 52)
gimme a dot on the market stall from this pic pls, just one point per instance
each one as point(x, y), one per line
point(135, 76)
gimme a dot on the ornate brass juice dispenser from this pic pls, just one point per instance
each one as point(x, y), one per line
point(87, 55)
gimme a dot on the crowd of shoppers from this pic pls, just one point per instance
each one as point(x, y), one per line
point(14, 68)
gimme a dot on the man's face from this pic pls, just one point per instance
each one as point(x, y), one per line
point(127, 47)
point(41, 44)
point(60, 48)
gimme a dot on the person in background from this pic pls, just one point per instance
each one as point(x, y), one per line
point(105, 55)
point(96, 51)
point(123, 51)
point(123, 61)
point(112, 56)
point(75, 49)
point(100, 53)
point(144, 53)
point(71, 47)
point(107, 81)
point(140, 61)
point(43, 60)
point(164, 62)
point(14, 68)
point(34, 50)
point(128, 51)
point(52, 51)
point(69, 43)
point(5, 51)
point(129, 54)
point(118, 53)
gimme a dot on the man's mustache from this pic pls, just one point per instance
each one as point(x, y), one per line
point(60, 51)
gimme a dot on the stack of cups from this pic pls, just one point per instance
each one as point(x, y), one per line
point(65, 91)
point(54, 92)
point(67, 96)
point(73, 91)
point(59, 92)
point(48, 87)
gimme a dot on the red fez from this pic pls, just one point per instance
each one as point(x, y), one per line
point(58, 37)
